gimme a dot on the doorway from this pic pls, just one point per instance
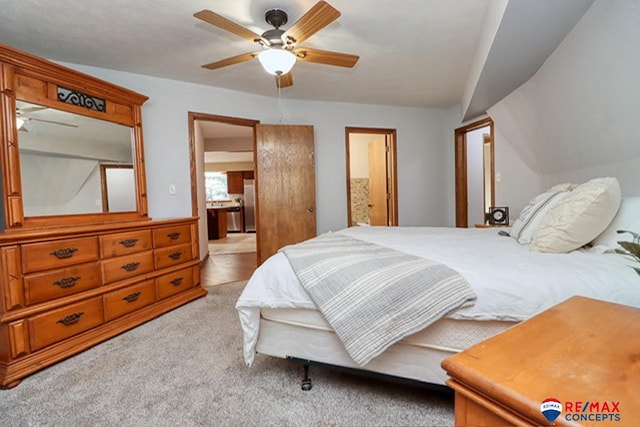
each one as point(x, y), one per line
point(475, 172)
point(222, 156)
point(371, 177)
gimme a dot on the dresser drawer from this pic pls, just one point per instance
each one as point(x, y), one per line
point(113, 245)
point(124, 267)
point(175, 282)
point(59, 253)
point(53, 284)
point(123, 301)
point(168, 236)
point(172, 255)
point(56, 325)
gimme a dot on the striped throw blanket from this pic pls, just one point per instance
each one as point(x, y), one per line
point(373, 296)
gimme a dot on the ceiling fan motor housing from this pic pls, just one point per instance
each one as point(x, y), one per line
point(276, 17)
point(274, 37)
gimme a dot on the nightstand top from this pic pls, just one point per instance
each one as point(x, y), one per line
point(581, 350)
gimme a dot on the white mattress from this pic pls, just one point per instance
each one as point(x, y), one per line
point(446, 334)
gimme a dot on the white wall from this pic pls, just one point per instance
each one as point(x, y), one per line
point(425, 137)
point(577, 117)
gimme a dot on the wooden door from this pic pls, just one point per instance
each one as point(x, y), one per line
point(285, 187)
point(378, 185)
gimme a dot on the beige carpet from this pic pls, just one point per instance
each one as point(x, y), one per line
point(185, 368)
point(234, 243)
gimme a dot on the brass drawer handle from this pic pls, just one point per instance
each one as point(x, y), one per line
point(129, 243)
point(131, 266)
point(174, 235)
point(71, 319)
point(131, 297)
point(64, 253)
point(67, 282)
point(175, 256)
point(177, 281)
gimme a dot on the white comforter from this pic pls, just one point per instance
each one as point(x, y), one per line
point(511, 282)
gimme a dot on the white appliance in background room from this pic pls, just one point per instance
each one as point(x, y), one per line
point(249, 206)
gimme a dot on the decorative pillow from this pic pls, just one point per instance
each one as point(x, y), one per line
point(558, 188)
point(627, 218)
point(531, 216)
point(579, 217)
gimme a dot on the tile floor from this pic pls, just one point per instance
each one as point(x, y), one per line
point(230, 260)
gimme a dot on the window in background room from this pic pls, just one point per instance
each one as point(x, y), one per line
point(216, 185)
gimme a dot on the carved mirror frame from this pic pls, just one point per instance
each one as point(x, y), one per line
point(29, 78)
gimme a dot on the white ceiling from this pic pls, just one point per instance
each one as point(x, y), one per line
point(412, 52)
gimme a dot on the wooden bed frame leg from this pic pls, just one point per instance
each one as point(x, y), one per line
point(306, 381)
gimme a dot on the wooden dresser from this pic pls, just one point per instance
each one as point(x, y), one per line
point(582, 355)
point(63, 291)
point(80, 259)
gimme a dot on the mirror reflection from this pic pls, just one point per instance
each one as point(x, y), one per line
point(62, 155)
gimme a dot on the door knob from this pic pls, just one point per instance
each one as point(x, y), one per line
point(311, 209)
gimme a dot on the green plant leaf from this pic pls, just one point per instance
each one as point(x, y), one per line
point(636, 236)
point(632, 248)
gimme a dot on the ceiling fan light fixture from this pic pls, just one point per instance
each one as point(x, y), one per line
point(277, 61)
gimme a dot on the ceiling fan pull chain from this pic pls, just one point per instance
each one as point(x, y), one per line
point(279, 76)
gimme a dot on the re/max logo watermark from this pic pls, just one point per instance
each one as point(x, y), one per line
point(593, 411)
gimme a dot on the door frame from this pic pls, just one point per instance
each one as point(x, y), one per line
point(392, 170)
point(192, 117)
point(460, 141)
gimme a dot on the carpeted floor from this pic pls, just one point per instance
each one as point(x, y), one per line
point(185, 369)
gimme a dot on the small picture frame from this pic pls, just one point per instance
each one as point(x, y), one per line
point(499, 215)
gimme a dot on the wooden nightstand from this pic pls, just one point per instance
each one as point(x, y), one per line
point(490, 225)
point(582, 352)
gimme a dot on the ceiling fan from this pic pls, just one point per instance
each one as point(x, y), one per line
point(22, 118)
point(281, 48)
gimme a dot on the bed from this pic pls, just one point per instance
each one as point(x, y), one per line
point(511, 283)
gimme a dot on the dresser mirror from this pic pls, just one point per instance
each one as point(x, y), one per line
point(71, 150)
point(73, 164)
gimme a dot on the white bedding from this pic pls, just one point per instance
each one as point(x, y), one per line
point(511, 282)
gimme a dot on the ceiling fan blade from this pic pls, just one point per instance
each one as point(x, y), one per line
point(230, 61)
point(326, 57)
point(52, 122)
point(226, 24)
point(285, 80)
point(318, 17)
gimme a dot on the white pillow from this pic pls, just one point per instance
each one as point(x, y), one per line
point(579, 217)
point(524, 228)
point(627, 218)
point(567, 186)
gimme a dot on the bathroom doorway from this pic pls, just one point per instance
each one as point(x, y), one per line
point(371, 177)
point(475, 172)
